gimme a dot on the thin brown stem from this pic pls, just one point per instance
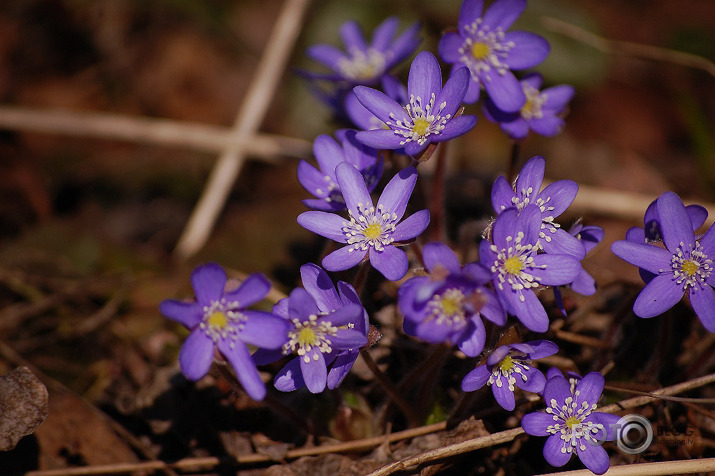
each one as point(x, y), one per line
point(394, 394)
point(513, 160)
point(437, 230)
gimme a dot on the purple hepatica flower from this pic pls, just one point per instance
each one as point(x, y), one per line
point(220, 320)
point(447, 304)
point(540, 113)
point(509, 366)
point(428, 117)
point(327, 329)
point(518, 270)
point(365, 63)
point(571, 424)
point(364, 119)
point(483, 45)
point(371, 230)
point(684, 267)
point(553, 200)
point(584, 283)
point(323, 183)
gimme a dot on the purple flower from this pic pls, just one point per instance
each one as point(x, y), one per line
point(483, 45)
point(584, 283)
point(518, 270)
point(553, 200)
point(323, 183)
point(446, 305)
point(371, 230)
point(509, 366)
point(651, 231)
point(364, 119)
point(219, 320)
point(365, 63)
point(327, 329)
point(541, 112)
point(684, 267)
point(428, 117)
point(571, 424)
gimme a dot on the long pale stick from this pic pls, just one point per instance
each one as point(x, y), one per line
point(250, 116)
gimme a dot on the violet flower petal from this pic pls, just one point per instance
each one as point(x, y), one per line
point(246, 372)
point(196, 355)
point(658, 296)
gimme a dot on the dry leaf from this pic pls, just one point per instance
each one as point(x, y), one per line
point(23, 406)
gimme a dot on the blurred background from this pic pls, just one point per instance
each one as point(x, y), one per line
point(88, 225)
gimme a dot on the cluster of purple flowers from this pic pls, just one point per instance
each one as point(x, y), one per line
point(323, 326)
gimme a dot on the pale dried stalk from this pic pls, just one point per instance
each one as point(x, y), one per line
point(509, 435)
point(619, 204)
point(145, 130)
point(627, 48)
point(664, 468)
point(254, 107)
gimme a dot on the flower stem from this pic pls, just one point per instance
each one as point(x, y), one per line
point(394, 394)
point(513, 160)
point(437, 226)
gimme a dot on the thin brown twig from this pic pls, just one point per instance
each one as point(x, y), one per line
point(206, 463)
point(627, 48)
point(146, 130)
point(253, 109)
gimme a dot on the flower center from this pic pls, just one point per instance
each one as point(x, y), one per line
point(569, 421)
point(423, 120)
point(506, 369)
point(484, 50)
point(481, 51)
point(373, 231)
point(222, 320)
point(421, 126)
point(309, 338)
point(218, 320)
point(513, 263)
point(691, 266)
point(448, 308)
point(362, 65)
point(370, 229)
point(534, 101)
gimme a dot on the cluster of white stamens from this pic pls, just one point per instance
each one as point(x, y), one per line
point(534, 101)
point(331, 192)
point(484, 50)
point(523, 198)
point(690, 266)
point(512, 264)
point(569, 421)
point(363, 65)
point(448, 308)
point(506, 369)
point(223, 320)
point(423, 120)
point(308, 335)
point(371, 228)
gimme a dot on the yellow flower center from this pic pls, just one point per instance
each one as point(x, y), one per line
point(451, 305)
point(513, 265)
point(481, 51)
point(373, 231)
point(506, 364)
point(690, 267)
point(218, 320)
point(571, 422)
point(421, 126)
point(307, 337)
point(527, 110)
